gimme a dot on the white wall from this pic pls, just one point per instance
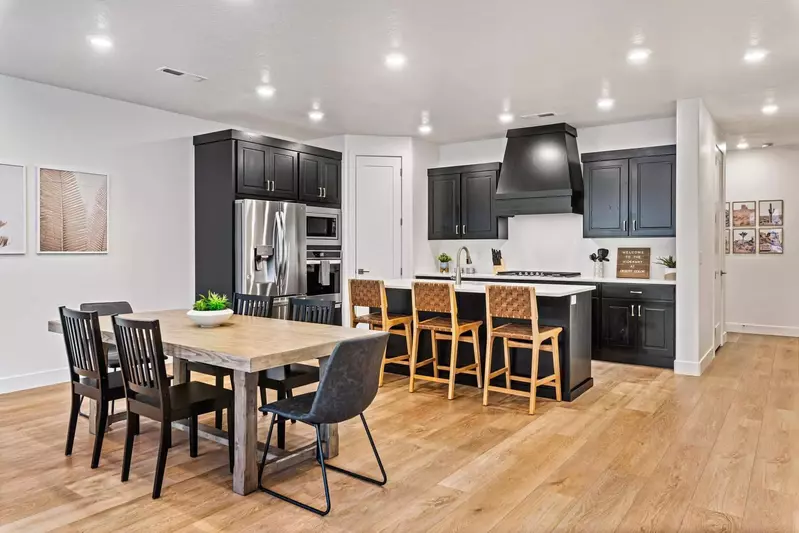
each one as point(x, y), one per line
point(149, 156)
point(761, 289)
point(552, 242)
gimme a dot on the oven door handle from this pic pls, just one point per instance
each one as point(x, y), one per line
point(319, 261)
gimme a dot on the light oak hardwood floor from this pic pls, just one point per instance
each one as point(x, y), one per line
point(644, 450)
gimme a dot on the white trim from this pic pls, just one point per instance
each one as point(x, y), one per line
point(24, 207)
point(759, 329)
point(695, 368)
point(33, 380)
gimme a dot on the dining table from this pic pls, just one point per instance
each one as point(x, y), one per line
point(245, 345)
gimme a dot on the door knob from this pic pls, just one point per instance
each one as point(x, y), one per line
point(363, 271)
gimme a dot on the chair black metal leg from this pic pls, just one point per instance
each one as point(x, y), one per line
point(132, 430)
point(102, 422)
point(377, 456)
point(320, 512)
point(281, 423)
point(193, 436)
point(290, 395)
point(74, 409)
point(231, 436)
point(163, 448)
point(266, 451)
point(220, 382)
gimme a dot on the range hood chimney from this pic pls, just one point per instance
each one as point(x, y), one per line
point(541, 172)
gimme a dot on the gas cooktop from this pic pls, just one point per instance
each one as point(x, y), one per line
point(539, 273)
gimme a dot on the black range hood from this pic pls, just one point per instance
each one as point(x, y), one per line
point(541, 172)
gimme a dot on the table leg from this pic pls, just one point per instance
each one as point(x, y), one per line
point(92, 415)
point(329, 431)
point(245, 470)
point(180, 371)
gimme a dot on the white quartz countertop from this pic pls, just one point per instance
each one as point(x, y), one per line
point(582, 279)
point(542, 290)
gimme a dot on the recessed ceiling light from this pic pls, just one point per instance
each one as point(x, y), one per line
point(396, 60)
point(742, 145)
point(316, 115)
point(101, 43)
point(755, 55)
point(506, 117)
point(638, 56)
point(425, 129)
point(770, 109)
point(605, 103)
point(265, 91)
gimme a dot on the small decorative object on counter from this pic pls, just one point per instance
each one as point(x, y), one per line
point(497, 261)
point(599, 259)
point(443, 263)
point(671, 266)
point(211, 310)
point(633, 263)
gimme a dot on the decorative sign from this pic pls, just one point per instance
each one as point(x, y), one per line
point(633, 263)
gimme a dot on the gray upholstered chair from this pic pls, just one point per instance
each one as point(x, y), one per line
point(347, 388)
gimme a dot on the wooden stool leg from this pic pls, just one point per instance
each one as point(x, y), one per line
point(556, 367)
point(506, 346)
point(414, 355)
point(487, 380)
point(408, 338)
point(434, 343)
point(453, 362)
point(382, 368)
point(476, 344)
point(534, 376)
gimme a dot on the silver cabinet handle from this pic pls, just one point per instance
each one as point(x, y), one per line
point(320, 192)
point(273, 185)
point(639, 310)
point(464, 229)
point(636, 292)
point(457, 226)
point(324, 192)
point(632, 310)
point(635, 225)
point(625, 225)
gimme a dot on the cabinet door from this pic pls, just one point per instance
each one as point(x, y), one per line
point(477, 205)
point(331, 181)
point(607, 197)
point(311, 178)
point(618, 326)
point(653, 189)
point(283, 164)
point(655, 331)
point(443, 206)
point(253, 163)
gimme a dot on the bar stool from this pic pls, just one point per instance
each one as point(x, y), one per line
point(519, 302)
point(440, 298)
point(372, 293)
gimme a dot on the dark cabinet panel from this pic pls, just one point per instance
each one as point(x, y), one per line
point(284, 174)
point(443, 206)
point(656, 329)
point(331, 181)
point(253, 169)
point(478, 220)
point(607, 195)
point(653, 187)
point(618, 325)
point(310, 178)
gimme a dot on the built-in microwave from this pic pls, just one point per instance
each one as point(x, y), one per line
point(323, 226)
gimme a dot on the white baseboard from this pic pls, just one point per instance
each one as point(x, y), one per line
point(36, 379)
point(695, 368)
point(758, 329)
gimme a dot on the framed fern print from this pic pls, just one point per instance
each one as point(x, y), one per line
point(13, 219)
point(72, 211)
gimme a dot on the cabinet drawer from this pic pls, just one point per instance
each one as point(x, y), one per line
point(638, 291)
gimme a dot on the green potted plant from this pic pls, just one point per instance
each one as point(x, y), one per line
point(443, 263)
point(671, 266)
point(211, 310)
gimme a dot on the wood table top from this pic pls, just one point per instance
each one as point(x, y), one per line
point(243, 343)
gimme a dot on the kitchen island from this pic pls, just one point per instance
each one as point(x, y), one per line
point(566, 306)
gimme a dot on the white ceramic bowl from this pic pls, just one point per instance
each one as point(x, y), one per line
point(210, 319)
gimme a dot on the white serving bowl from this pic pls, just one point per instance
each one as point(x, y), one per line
point(210, 319)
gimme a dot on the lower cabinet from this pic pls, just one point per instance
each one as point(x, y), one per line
point(637, 332)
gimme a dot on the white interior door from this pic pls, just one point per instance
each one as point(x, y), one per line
point(378, 217)
point(719, 254)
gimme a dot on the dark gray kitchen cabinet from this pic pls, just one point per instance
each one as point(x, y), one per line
point(630, 193)
point(656, 329)
point(618, 326)
point(320, 180)
point(266, 171)
point(462, 203)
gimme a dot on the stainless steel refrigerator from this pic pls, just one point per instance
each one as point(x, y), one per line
point(270, 250)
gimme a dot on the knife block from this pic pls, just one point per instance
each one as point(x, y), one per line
point(500, 267)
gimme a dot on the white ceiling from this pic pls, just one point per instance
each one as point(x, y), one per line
point(465, 57)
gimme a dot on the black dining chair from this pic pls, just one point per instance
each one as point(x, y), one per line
point(149, 394)
point(316, 310)
point(88, 372)
point(347, 388)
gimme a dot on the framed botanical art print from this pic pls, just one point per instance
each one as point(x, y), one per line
point(727, 214)
point(13, 209)
point(771, 213)
point(726, 241)
point(744, 214)
point(743, 241)
point(72, 211)
point(770, 241)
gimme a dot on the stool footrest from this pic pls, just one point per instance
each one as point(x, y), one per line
point(398, 360)
point(500, 372)
point(514, 392)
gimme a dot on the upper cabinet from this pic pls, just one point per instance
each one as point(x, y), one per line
point(461, 203)
point(274, 169)
point(630, 193)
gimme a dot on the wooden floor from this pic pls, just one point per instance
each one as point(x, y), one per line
point(644, 450)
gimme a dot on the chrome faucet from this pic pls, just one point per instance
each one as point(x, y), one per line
point(458, 263)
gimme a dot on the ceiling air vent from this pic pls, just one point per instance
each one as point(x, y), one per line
point(181, 73)
point(548, 114)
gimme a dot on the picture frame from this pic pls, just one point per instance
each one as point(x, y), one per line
point(743, 241)
point(770, 241)
point(744, 214)
point(72, 210)
point(727, 214)
point(727, 243)
point(13, 209)
point(771, 213)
